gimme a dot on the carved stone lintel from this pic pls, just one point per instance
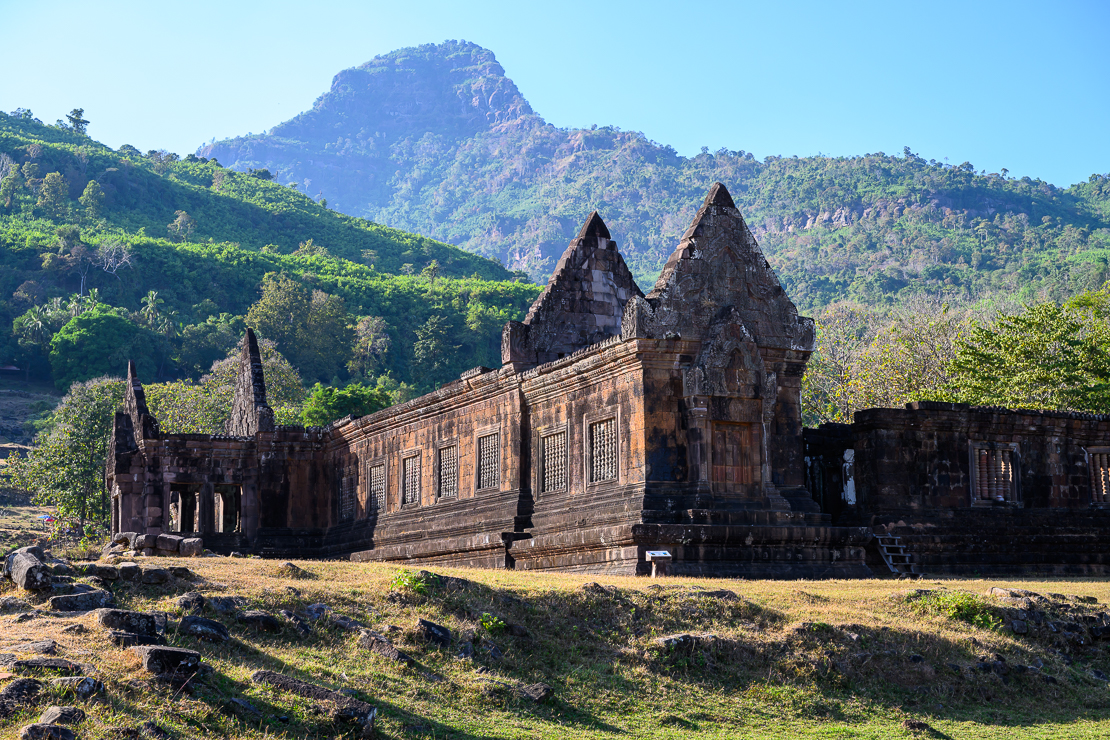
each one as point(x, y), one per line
point(638, 321)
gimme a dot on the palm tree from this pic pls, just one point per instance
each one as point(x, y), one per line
point(150, 311)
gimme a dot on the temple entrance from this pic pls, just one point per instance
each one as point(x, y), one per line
point(184, 507)
point(228, 504)
point(736, 459)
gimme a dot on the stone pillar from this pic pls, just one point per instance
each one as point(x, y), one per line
point(699, 441)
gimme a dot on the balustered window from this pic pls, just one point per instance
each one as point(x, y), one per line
point(1099, 461)
point(410, 480)
point(347, 490)
point(377, 488)
point(602, 440)
point(995, 474)
point(554, 457)
point(489, 461)
point(449, 472)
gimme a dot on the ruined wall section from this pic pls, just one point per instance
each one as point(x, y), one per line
point(435, 506)
point(919, 458)
point(250, 413)
point(581, 305)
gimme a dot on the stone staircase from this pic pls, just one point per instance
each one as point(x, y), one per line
point(998, 541)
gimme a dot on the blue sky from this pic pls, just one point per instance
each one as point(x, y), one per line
point(1025, 86)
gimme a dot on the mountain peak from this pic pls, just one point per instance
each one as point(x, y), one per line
point(455, 88)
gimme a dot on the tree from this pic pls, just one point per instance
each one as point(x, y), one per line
point(54, 195)
point(204, 407)
point(151, 309)
point(182, 226)
point(1045, 357)
point(8, 187)
point(113, 255)
point(431, 352)
point(77, 120)
point(65, 468)
point(92, 200)
point(325, 404)
point(431, 272)
point(372, 342)
point(97, 342)
point(313, 330)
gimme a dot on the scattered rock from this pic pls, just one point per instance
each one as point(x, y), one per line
point(62, 716)
point(433, 633)
point(537, 692)
point(346, 623)
point(492, 650)
point(466, 651)
point(205, 629)
point(140, 623)
point(917, 658)
point(261, 620)
point(381, 646)
point(155, 576)
point(168, 661)
point(130, 572)
point(1019, 627)
point(191, 547)
point(46, 732)
point(131, 639)
point(191, 602)
point(180, 571)
point(124, 538)
point(81, 686)
point(26, 569)
point(317, 611)
point(96, 570)
point(74, 629)
point(349, 709)
point(42, 647)
point(54, 665)
point(517, 630)
point(722, 594)
point(593, 588)
point(169, 543)
point(684, 642)
point(915, 725)
point(61, 568)
point(245, 707)
point(80, 602)
point(299, 624)
point(13, 604)
point(150, 730)
point(289, 570)
point(1082, 599)
point(20, 692)
point(228, 605)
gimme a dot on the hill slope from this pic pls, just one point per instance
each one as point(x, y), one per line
point(675, 658)
point(436, 139)
point(243, 226)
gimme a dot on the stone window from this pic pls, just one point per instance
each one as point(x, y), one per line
point(448, 473)
point(347, 489)
point(553, 456)
point(228, 501)
point(1099, 461)
point(377, 488)
point(410, 480)
point(994, 473)
point(489, 461)
point(602, 440)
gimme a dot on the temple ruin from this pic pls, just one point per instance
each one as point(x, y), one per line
point(620, 424)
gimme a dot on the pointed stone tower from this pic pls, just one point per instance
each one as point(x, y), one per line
point(143, 425)
point(718, 291)
point(581, 305)
point(250, 413)
point(719, 265)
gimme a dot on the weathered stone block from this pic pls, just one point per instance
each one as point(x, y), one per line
point(142, 623)
point(164, 661)
point(191, 547)
point(169, 542)
point(80, 602)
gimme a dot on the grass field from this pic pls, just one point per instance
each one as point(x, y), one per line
point(20, 525)
point(815, 659)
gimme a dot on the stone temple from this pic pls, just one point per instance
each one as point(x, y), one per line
point(621, 424)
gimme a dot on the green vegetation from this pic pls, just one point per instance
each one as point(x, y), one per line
point(959, 605)
point(841, 659)
point(325, 404)
point(1034, 356)
point(107, 255)
point(877, 228)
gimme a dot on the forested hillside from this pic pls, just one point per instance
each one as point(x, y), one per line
point(106, 255)
point(437, 140)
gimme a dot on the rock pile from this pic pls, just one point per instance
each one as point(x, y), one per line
point(128, 544)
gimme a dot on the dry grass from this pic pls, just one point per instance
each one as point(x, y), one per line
point(828, 659)
point(20, 526)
